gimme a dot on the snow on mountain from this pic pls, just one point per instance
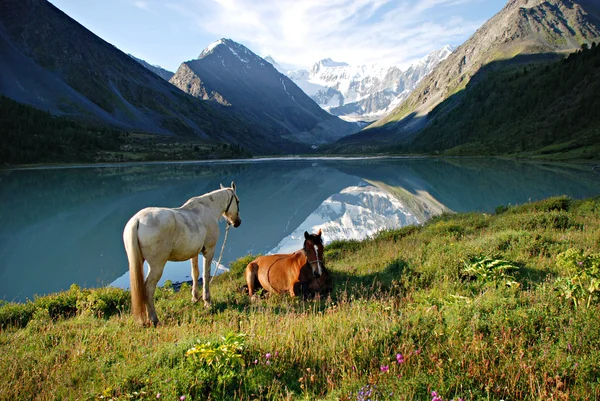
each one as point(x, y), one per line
point(365, 92)
point(356, 212)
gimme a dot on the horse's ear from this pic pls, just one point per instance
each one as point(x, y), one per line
point(222, 187)
point(306, 235)
point(233, 186)
point(320, 232)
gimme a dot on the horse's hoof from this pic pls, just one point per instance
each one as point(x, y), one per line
point(207, 304)
point(194, 299)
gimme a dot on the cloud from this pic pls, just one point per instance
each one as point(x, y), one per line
point(141, 4)
point(355, 31)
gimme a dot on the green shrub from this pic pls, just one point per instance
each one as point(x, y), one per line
point(15, 314)
point(582, 283)
point(218, 364)
point(491, 270)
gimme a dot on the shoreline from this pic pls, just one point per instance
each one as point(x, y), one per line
point(592, 163)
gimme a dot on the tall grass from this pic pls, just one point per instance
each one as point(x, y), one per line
point(469, 306)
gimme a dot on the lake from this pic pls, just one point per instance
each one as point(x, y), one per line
point(64, 225)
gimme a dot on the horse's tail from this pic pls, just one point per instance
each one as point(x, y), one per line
point(136, 270)
point(252, 277)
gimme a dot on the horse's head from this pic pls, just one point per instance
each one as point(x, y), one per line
point(313, 247)
point(232, 211)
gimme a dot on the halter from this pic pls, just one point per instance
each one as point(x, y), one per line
point(231, 201)
point(310, 262)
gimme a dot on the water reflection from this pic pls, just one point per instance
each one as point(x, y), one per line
point(64, 226)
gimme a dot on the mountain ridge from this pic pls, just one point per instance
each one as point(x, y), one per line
point(559, 25)
point(50, 61)
point(364, 92)
point(229, 73)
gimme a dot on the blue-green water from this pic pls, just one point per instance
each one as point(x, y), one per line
point(64, 225)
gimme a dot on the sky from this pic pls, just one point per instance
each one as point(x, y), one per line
point(296, 33)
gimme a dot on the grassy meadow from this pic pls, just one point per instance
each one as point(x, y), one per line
point(468, 306)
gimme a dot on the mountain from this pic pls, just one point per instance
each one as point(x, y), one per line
point(523, 31)
point(557, 114)
point(230, 74)
point(158, 70)
point(363, 93)
point(51, 62)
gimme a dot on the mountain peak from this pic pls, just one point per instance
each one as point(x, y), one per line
point(326, 63)
point(223, 44)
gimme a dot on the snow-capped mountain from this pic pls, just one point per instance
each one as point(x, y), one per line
point(366, 92)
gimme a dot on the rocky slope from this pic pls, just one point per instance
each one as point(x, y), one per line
point(158, 70)
point(230, 74)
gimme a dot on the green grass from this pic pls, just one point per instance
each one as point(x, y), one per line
point(476, 304)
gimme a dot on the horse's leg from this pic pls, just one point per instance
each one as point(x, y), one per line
point(304, 286)
point(195, 274)
point(208, 256)
point(155, 271)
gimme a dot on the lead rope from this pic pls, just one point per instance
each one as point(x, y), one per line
point(222, 249)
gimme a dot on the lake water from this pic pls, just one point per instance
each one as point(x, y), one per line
point(64, 225)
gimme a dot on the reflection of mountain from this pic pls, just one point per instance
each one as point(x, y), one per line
point(358, 212)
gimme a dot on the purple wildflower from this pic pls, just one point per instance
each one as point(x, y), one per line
point(158, 395)
point(384, 368)
point(399, 358)
point(182, 398)
point(268, 355)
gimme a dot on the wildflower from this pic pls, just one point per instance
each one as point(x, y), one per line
point(182, 398)
point(255, 361)
point(158, 395)
point(569, 347)
point(384, 368)
point(435, 396)
point(399, 358)
point(580, 263)
point(276, 354)
point(268, 355)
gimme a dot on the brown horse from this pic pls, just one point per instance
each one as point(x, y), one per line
point(289, 272)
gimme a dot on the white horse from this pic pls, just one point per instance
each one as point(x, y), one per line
point(157, 235)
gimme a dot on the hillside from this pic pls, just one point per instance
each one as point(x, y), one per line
point(33, 136)
point(469, 306)
point(523, 28)
point(51, 62)
point(556, 114)
point(232, 75)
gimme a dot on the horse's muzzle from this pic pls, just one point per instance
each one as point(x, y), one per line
point(317, 275)
point(237, 223)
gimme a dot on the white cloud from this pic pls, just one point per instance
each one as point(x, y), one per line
point(141, 4)
point(355, 31)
